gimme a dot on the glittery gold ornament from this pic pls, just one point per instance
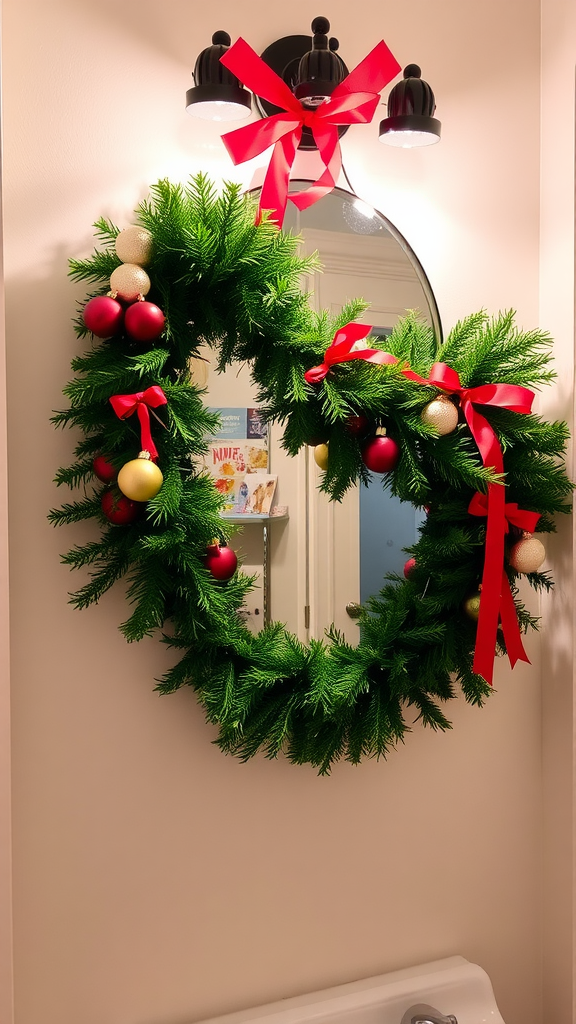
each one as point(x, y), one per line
point(321, 456)
point(129, 281)
point(472, 606)
point(134, 245)
point(527, 554)
point(441, 414)
point(140, 479)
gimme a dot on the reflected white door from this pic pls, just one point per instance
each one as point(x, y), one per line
point(377, 270)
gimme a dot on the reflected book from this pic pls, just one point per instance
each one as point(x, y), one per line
point(238, 449)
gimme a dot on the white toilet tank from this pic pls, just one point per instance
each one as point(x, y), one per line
point(450, 986)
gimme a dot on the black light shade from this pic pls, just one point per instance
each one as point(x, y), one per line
point(320, 70)
point(218, 95)
point(411, 104)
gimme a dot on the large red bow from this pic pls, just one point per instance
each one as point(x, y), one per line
point(496, 600)
point(354, 101)
point(341, 351)
point(125, 405)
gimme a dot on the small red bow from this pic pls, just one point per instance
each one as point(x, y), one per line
point(479, 506)
point(126, 405)
point(354, 101)
point(515, 516)
point(340, 351)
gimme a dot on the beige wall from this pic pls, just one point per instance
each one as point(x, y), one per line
point(157, 882)
point(557, 316)
point(6, 965)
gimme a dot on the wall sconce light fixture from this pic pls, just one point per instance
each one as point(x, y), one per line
point(307, 99)
point(312, 69)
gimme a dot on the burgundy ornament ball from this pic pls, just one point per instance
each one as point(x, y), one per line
point(380, 454)
point(119, 509)
point(408, 566)
point(103, 316)
point(220, 561)
point(357, 425)
point(104, 469)
point(144, 321)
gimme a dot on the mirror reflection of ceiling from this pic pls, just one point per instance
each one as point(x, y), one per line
point(362, 256)
point(335, 212)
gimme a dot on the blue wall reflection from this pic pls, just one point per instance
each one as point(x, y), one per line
point(386, 526)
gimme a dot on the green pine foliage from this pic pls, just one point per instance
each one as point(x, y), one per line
point(224, 281)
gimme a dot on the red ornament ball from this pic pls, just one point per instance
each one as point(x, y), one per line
point(357, 425)
point(221, 562)
point(409, 565)
point(103, 316)
point(104, 469)
point(380, 454)
point(119, 509)
point(144, 321)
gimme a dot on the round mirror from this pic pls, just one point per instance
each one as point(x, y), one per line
point(316, 560)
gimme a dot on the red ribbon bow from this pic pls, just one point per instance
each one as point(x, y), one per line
point(340, 351)
point(125, 405)
point(496, 600)
point(479, 506)
point(354, 101)
point(515, 516)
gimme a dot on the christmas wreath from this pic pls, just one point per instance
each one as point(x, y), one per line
point(447, 425)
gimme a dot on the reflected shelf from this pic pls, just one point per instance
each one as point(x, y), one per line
point(253, 517)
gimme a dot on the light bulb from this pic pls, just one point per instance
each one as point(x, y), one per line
point(218, 110)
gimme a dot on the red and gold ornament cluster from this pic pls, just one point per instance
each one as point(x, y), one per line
point(105, 316)
point(380, 452)
point(138, 480)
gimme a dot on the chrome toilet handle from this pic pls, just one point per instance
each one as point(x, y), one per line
point(422, 1013)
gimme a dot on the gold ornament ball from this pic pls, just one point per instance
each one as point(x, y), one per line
point(321, 456)
point(129, 281)
point(527, 555)
point(472, 606)
point(441, 414)
point(140, 479)
point(134, 245)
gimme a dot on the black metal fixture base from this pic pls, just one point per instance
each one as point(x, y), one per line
point(284, 57)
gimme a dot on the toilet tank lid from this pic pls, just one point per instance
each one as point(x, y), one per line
point(453, 985)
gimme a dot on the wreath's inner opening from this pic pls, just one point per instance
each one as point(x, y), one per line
point(316, 560)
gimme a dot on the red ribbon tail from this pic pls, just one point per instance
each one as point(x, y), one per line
point(252, 71)
point(485, 650)
point(510, 626)
point(374, 72)
point(328, 143)
point(316, 373)
point(146, 441)
point(274, 194)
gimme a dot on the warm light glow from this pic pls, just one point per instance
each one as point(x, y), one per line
point(218, 110)
point(364, 209)
point(409, 140)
